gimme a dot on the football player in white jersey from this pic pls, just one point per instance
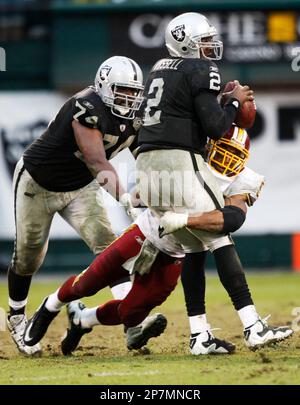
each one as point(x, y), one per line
point(155, 262)
point(241, 186)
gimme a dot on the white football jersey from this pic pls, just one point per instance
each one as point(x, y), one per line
point(148, 223)
point(246, 182)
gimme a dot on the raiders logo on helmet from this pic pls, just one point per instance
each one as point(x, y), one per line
point(178, 33)
point(104, 72)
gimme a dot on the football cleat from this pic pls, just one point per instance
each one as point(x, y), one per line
point(16, 325)
point(206, 343)
point(152, 326)
point(38, 324)
point(75, 331)
point(261, 334)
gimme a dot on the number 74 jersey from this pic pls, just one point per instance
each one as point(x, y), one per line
point(169, 116)
point(54, 160)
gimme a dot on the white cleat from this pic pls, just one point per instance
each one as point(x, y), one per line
point(206, 343)
point(16, 325)
point(261, 334)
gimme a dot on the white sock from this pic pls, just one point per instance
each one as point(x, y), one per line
point(120, 291)
point(198, 323)
point(88, 317)
point(17, 304)
point(248, 315)
point(53, 304)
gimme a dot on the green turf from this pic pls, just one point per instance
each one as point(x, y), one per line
point(103, 358)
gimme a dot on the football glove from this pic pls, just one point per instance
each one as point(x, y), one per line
point(131, 211)
point(247, 182)
point(171, 222)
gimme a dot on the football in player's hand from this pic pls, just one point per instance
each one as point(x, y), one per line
point(245, 116)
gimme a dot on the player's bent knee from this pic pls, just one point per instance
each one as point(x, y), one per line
point(27, 264)
point(25, 270)
point(83, 289)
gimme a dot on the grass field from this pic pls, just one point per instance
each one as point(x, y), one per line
point(103, 358)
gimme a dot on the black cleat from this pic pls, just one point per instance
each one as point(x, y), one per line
point(75, 331)
point(152, 326)
point(38, 324)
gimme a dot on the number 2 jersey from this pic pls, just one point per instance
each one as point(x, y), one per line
point(170, 119)
point(54, 160)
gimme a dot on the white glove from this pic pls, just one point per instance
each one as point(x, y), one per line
point(171, 222)
point(131, 211)
point(247, 182)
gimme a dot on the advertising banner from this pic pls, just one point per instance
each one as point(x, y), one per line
point(275, 149)
point(248, 36)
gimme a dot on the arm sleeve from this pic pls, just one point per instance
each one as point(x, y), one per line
point(214, 119)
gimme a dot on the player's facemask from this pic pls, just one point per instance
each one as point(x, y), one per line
point(209, 48)
point(229, 154)
point(126, 100)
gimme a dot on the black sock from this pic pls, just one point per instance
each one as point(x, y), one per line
point(193, 282)
point(232, 276)
point(18, 287)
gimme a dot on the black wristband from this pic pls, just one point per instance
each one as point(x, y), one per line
point(234, 217)
point(234, 102)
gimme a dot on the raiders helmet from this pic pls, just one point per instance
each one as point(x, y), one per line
point(229, 154)
point(114, 78)
point(190, 35)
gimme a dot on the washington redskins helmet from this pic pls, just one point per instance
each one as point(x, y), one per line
point(229, 154)
point(113, 77)
point(190, 35)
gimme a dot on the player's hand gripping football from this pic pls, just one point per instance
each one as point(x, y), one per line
point(241, 93)
point(246, 114)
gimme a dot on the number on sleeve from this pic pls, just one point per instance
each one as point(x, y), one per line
point(214, 81)
point(81, 111)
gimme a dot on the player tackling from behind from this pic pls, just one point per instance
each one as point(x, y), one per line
point(241, 186)
point(155, 259)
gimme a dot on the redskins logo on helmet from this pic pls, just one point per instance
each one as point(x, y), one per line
point(229, 154)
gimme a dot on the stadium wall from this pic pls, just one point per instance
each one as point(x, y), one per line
point(53, 48)
point(270, 237)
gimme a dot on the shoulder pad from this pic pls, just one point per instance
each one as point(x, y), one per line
point(203, 75)
point(86, 108)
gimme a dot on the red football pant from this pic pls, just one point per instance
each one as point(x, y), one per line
point(105, 269)
point(147, 292)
